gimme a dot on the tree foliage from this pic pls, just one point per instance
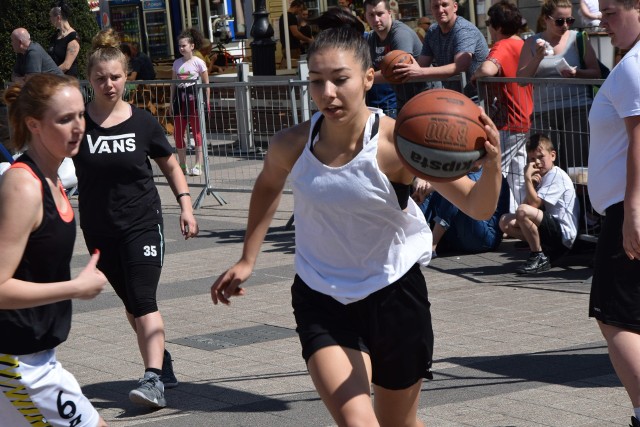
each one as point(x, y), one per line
point(34, 16)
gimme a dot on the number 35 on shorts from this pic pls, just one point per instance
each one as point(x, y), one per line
point(150, 251)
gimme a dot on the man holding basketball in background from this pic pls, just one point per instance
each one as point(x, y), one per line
point(386, 35)
point(453, 46)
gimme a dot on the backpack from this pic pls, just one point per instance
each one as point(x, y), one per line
point(581, 41)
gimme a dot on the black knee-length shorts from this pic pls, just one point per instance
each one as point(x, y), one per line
point(615, 287)
point(132, 264)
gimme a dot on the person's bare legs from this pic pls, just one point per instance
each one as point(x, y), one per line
point(528, 219)
point(624, 352)
point(509, 226)
point(149, 331)
point(397, 407)
point(342, 377)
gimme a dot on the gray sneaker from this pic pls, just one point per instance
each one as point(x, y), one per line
point(150, 392)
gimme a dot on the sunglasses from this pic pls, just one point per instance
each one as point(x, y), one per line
point(561, 21)
point(487, 23)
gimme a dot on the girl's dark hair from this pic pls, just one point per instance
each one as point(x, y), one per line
point(194, 36)
point(506, 16)
point(341, 30)
point(336, 17)
point(124, 47)
point(61, 9)
point(32, 100)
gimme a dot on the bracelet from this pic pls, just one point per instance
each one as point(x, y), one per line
point(182, 195)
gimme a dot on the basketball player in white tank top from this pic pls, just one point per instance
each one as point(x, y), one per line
point(340, 74)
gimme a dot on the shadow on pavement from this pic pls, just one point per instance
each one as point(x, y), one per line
point(200, 397)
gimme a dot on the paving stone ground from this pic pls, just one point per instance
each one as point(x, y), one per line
point(510, 350)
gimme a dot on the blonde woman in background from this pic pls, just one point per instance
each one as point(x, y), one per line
point(120, 208)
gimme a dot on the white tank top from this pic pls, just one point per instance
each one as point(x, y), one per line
point(352, 238)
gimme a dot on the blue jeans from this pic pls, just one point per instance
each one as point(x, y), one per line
point(465, 234)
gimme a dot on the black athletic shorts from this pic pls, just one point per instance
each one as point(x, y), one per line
point(132, 264)
point(392, 325)
point(615, 287)
point(551, 238)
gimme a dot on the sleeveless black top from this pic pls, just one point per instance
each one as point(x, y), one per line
point(58, 51)
point(46, 259)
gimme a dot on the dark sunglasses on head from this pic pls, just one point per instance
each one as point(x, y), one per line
point(560, 21)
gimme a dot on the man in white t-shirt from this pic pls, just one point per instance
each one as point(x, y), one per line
point(548, 218)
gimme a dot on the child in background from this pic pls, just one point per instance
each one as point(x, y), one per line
point(183, 97)
point(547, 219)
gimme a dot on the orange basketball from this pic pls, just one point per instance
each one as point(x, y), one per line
point(439, 135)
point(390, 60)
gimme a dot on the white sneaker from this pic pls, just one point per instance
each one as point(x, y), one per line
point(196, 171)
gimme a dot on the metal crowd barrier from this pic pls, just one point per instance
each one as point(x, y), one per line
point(561, 111)
point(245, 111)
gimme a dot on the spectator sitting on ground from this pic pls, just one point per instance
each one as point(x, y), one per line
point(452, 229)
point(31, 58)
point(548, 218)
point(513, 104)
point(454, 46)
point(422, 26)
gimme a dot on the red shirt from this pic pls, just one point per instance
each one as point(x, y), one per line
point(514, 100)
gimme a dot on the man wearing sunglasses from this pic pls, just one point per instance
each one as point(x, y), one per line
point(560, 110)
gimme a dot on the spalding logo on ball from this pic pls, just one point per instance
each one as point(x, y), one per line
point(439, 135)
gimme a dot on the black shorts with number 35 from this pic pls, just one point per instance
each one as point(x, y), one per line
point(132, 263)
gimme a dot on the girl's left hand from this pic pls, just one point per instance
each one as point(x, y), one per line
point(188, 225)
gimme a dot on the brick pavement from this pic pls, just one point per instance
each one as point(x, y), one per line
point(510, 351)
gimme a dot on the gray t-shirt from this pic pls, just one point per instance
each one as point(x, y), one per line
point(463, 37)
point(35, 60)
point(400, 37)
point(556, 96)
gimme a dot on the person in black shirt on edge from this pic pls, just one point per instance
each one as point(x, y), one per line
point(38, 232)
